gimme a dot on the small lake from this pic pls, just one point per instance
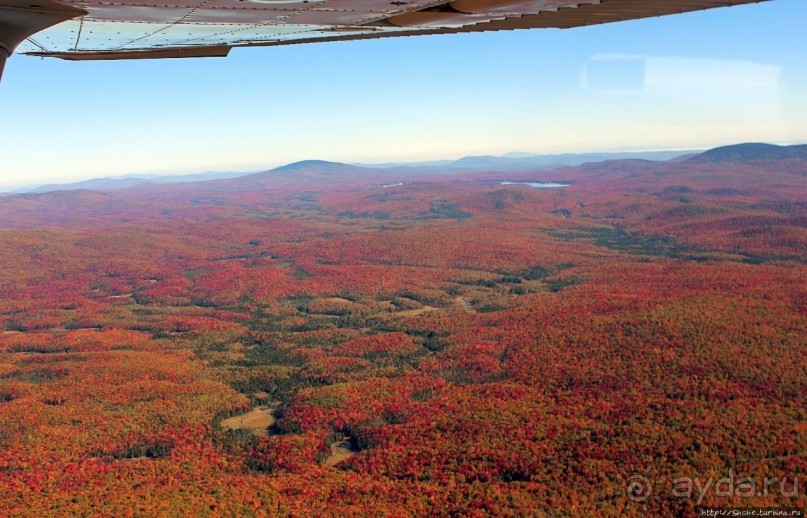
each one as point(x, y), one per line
point(538, 185)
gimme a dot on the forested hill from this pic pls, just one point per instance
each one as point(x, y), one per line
point(752, 152)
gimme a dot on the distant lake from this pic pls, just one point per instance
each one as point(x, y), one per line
point(392, 184)
point(538, 185)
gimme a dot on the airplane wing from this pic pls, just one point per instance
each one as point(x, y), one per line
point(130, 29)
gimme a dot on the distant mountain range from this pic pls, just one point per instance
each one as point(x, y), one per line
point(124, 182)
point(510, 162)
point(516, 160)
point(317, 169)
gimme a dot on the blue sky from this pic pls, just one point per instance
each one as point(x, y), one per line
point(679, 82)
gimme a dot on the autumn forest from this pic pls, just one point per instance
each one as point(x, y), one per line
point(330, 340)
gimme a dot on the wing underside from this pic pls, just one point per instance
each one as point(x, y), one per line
point(126, 29)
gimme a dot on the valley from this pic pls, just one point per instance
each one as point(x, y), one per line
point(326, 339)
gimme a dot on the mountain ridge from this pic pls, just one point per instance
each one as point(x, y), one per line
point(751, 151)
